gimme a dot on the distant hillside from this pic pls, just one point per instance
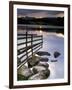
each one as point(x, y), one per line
point(59, 21)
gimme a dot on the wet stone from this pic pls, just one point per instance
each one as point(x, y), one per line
point(56, 54)
point(44, 64)
point(54, 60)
point(44, 74)
point(41, 53)
point(24, 71)
point(37, 69)
point(44, 59)
point(33, 61)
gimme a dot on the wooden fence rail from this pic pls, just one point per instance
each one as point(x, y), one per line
point(27, 45)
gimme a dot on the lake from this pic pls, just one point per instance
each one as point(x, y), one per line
point(52, 42)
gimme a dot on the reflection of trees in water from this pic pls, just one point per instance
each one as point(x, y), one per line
point(42, 21)
point(47, 28)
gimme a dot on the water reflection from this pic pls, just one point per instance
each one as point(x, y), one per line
point(51, 42)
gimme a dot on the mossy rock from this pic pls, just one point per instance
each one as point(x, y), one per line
point(44, 74)
point(37, 69)
point(44, 64)
point(24, 71)
point(21, 77)
point(33, 61)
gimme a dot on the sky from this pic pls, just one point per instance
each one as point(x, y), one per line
point(39, 13)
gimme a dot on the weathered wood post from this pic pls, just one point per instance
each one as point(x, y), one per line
point(42, 42)
point(26, 47)
point(32, 44)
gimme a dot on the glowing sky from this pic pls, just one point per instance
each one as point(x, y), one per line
point(39, 13)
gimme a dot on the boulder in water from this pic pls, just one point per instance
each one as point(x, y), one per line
point(37, 69)
point(41, 53)
point(54, 60)
point(33, 61)
point(44, 74)
point(44, 64)
point(56, 54)
point(44, 59)
point(24, 71)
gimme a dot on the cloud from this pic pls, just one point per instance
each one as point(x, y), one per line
point(40, 13)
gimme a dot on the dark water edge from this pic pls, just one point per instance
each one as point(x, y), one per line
point(41, 21)
point(57, 30)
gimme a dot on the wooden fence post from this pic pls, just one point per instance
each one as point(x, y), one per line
point(26, 47)
point(32, 44)
point(42, 42)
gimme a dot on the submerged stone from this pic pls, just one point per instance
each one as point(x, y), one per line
point(44, 59)
point(41, 53)
point(54, 60)
point(56, 54)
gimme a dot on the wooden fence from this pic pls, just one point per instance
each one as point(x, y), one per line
point(27, 45)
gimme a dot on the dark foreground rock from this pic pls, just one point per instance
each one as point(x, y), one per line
point(44, 59)
point(37, 69)
point(41, 53)
point(41, 75)
point(33, 61)
point(24, 72)
point(44, 64)
point(54, 60)
point(56, 54)
point(21, 77)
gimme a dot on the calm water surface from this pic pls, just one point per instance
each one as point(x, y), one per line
point(52, 42)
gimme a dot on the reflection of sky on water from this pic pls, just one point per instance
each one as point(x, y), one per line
point(54, 42)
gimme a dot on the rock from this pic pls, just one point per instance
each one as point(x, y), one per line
point(44, 64)
point(37, 76)
point(24, 71)
point(44, 59)
point(33, 61)
point(37, 69)
point(21, 77)
point(41, 75)
point(41, 53)
point(56, 54)
point(47, 73)
point(54, 60)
